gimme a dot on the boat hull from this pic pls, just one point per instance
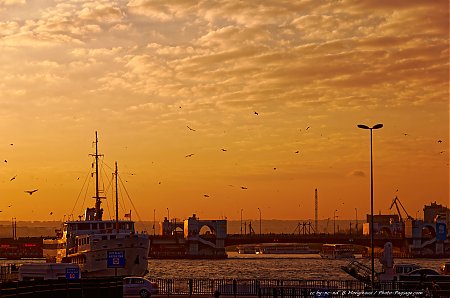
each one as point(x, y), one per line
point(94, 262)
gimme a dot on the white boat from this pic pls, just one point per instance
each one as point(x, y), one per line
point(285, 248)
point(246, 249)
point(100, 247)
point(337, 251)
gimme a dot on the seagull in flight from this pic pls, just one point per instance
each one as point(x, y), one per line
point(189, 155)
point(243, 187)
point(224, 150)
point(206, 196)
point(439, 141)
point(190, 128)
point(297, 151)
point(256, 113)
point(13, 178)
point(30, 192)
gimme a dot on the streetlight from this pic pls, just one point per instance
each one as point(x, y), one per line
point(377, 126)
point(334, 222)
point(259, 222)
point(241, 220)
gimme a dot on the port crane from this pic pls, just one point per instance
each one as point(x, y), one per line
point(397, 201)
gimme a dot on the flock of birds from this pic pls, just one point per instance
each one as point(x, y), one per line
point(32, 191)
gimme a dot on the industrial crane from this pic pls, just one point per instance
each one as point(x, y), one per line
point(394, 202)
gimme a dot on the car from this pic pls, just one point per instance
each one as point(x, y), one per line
point(139, 286)
point(423, 272)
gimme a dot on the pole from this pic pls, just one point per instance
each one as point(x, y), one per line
point(260, 233)
point(371, 214)
point(356, 222)
point(334, 222)
point(377, 126)
point(154, 222)
point(241, 221)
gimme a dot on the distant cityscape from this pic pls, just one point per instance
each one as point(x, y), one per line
point(301, 226)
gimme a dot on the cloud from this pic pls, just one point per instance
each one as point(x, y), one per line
point(12, 2)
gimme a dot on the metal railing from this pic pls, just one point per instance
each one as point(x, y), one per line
point(81, 288)
point(298, 288)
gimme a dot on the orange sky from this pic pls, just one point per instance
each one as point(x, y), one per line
point(141, 72)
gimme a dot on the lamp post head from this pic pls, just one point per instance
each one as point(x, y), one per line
point(376, 126)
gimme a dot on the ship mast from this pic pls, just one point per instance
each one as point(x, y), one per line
point(98, 202)
point(117, 202)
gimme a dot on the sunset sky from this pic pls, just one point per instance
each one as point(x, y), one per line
point(263, 97)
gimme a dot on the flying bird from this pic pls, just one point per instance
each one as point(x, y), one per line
point(274, 168)
point(206, 196)
point(297, 151)
point(405, 134)
point(243, 187)
point(13, 178)
point(30, 192)
point(6, 161)
point(9, 206)
point(307, 128)
point(190, 128)
point(189, 155)
point(439, 141)
point(256, 113)
point(51, 213)
point(224, 150)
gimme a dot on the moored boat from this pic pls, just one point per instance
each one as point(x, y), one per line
point(285, 248)
point(337, 251)
point(100, 247)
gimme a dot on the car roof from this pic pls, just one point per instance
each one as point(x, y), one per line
point(424, 271)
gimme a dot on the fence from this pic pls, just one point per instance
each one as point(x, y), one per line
point(298, 288)
point(81, 288)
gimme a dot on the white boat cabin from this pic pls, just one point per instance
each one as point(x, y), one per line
point(75, 228)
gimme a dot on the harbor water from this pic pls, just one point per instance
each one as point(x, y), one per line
point(250, 266)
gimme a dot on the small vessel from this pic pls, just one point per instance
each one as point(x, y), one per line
point(285, 248)
point(246, 249)
point(100, 247)
point(337, 251)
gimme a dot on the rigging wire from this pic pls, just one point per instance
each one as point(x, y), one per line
point(86, 179)
point(134, 207)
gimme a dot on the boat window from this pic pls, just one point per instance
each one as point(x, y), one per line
point(84, 226)
point(113, 237)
